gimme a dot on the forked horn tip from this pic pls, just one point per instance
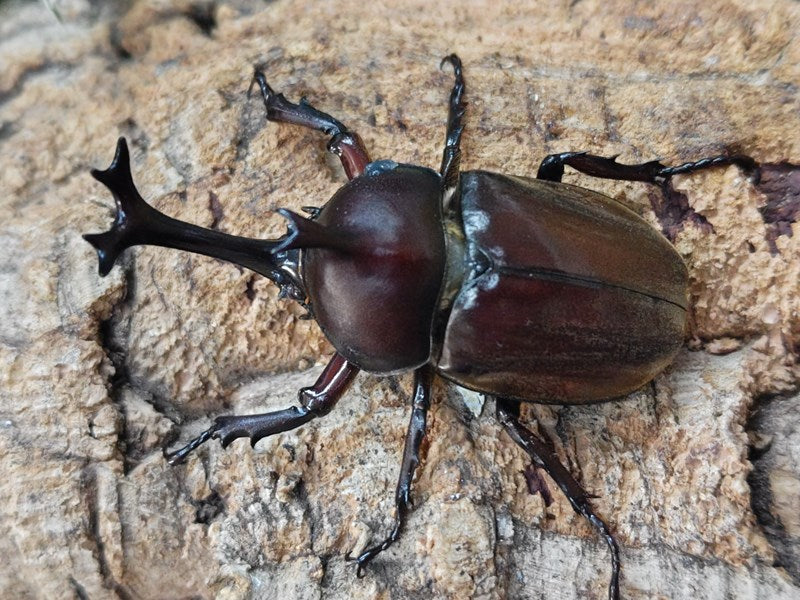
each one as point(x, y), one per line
point(99, 175)
point(307, 233)
point(121, 154)
point(288, 241)
point(120, 168)
point(106, 246)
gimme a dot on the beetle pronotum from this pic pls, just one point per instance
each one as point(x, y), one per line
point(406, 268)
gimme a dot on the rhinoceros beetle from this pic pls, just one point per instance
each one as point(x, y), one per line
point(528, 290)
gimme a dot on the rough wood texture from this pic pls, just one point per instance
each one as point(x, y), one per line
point(699, 473)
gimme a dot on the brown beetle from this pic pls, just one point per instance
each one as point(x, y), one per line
point(529, 290)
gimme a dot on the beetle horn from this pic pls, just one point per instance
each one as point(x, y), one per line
point(307, 233)
point(130, 208)
point(137, 222)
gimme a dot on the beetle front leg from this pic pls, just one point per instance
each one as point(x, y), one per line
point(421, 402)
point(543, 457)
point(343, 143)
point(315, 401)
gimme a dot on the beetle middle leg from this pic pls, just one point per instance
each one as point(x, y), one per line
point(451, 157)
point(343, 143)
point(315, 401)
point(543, 457)
point(421, 402)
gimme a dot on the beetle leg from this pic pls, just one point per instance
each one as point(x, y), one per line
point(138, 223)
point(543, 457)
point(674, 210)
point(315, 401)
point(343, 143)
point(552, 167)
point(451, 157)
point(402, 498)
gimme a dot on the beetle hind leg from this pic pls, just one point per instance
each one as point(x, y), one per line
point(673, 211)
point(343, 143)
point(315, 401)
point(543, 457)
point(423, 378)
point(552, 167)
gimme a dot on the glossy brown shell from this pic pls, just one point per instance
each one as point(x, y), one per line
point(573, 298)
point(376, 301)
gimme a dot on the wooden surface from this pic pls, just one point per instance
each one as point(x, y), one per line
point(698, 473)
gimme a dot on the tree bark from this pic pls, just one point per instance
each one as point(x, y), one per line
point(698, 474)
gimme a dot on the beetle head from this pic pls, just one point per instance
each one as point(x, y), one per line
point(373, 263)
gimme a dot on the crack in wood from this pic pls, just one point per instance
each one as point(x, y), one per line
point(89, 490)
